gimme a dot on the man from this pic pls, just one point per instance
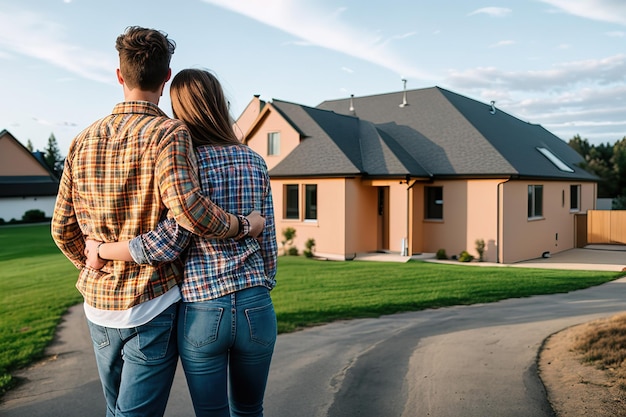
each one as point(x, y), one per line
point(122, 175)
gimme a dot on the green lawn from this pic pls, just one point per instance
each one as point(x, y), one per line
point(37, 286)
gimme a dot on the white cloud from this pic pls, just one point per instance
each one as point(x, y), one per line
point(33, 35)
point(324, 28)
point(603, 71)
point(502, 43)
point(492, 11)
point(616, 34)
point(613, 11)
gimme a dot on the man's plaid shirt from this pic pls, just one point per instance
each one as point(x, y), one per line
point(235, 178)
point(121, 176)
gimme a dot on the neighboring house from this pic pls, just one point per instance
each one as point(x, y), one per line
point(26, 183)
point(415, 172)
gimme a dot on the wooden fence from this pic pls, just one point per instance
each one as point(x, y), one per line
point(606, 226)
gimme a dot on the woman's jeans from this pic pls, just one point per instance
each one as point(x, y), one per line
point(137, 365)
point(228, 340)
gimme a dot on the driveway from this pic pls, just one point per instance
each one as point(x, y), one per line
point(477, 360)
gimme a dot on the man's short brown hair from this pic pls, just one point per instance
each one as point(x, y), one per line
point(145, 56)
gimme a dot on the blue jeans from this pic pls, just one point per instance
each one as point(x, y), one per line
point(229, 340)
point(137, 365)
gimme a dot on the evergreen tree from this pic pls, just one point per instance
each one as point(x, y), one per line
point(608, 162)
point(618, 161)
point(52, 155)
point(29, 145)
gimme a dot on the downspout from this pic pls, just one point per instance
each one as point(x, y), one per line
point(408, 215)
point(498, 220)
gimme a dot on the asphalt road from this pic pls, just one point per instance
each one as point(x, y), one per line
point(477, 360)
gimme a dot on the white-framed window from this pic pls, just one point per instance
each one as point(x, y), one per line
point(273, 143)
point(433, 201)
point(574, 197)
point(535, 201)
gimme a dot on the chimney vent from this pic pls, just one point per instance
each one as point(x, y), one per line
point(404, 102)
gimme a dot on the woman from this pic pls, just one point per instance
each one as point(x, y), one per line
point(227, 323)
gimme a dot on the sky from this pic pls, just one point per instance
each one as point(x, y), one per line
point(557, 63)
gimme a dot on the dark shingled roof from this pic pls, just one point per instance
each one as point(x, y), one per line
point(28, 186)
point(438, 134)
point(340, 145)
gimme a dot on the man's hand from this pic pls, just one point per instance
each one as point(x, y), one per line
point(257, 223)
point(91, 252)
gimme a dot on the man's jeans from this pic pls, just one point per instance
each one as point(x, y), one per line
point(137, 365)
point(233, 334)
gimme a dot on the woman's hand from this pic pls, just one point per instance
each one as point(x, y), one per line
point(91, 252)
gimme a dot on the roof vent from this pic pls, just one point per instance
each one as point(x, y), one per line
point(404, 102)
point(352, 103)
point(493, 107)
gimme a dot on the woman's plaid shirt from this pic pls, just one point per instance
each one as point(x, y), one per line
point(121, 175)
point(236, 179)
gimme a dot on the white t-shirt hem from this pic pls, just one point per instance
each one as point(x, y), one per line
point(134, 316)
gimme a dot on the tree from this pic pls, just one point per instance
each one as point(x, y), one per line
point(29, 145)
point(52, 155)
point(598, 161)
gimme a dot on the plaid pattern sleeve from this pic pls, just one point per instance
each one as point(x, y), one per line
point(166, 243)
point(64, 227)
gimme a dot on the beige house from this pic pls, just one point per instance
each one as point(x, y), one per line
point(415, 172)
point(26, 183)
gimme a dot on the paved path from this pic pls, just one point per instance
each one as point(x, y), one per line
point(466, 361)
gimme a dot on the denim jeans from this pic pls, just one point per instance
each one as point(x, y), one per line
point(137, 365)
point(226, 342)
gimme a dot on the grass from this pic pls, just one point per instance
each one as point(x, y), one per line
point(37, 287)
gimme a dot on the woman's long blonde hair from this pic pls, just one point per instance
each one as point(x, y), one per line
point(198, 100)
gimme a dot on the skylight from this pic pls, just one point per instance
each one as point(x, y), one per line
point(555, 160)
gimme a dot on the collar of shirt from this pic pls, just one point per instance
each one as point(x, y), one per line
point(138, 107)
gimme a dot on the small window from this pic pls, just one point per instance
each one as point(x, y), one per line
point(574, 197)
point(310, 202)
point(291, 202)
point(433, 200)
point(535, 201)
point(273, 143)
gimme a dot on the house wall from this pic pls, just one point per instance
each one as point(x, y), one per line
point(450, 233)
point(329, 230)
point(523, 238)
point(392, 224)
point(15, 207)
point(469, 213)
point(273, 122)
point(247, 117)
point(482, 215)
point(347, 212)
point(17, 161)
point(361, 218)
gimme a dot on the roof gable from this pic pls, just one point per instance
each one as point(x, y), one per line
point(338, 145)
point(16, 159)
point(326, 146)
point(21, 173)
